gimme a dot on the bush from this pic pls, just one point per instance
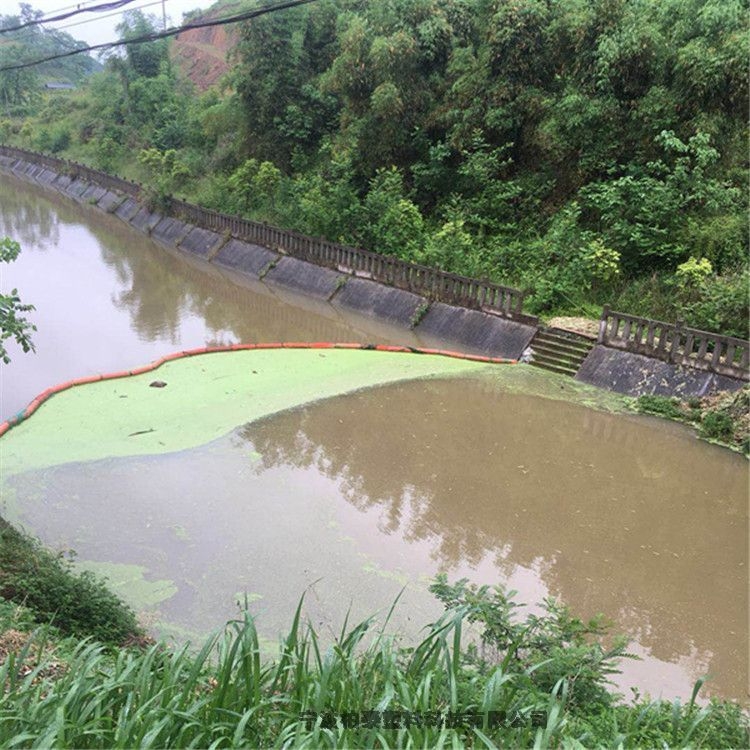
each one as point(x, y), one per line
point(661, 406)
point(76, 603)
point(718, 426)
point(723, 305)
point(54, 141)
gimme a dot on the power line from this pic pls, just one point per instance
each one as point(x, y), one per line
point(68, 7)
point(164, 34)
point(63, 16)
point(108, 15)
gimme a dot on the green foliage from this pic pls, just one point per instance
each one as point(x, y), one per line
point(145, 59)
point(394, 223)
point(167, 173)
point(54, 141)
point(724, 418)
point(717, 425)
point(582, 151)
point(662, 406)
point(560, 648)
point(721, 304)
point(76, 603)
point(640, 213)
point(254, 186)
point(693, 271)
point(13, 324)
point(453, 249)
point(20, 90)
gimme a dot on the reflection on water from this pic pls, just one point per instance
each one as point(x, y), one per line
point(107, 298)
point(367, 492)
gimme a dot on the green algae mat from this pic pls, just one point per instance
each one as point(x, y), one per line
point(144, 473)
point(204, 397)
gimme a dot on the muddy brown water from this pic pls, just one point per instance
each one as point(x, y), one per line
point(108, 298)
point(355, 497)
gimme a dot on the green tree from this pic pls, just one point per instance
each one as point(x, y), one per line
point(144, 58)
point(13, 324)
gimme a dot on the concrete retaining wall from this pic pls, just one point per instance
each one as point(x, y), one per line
point(378, 301)
point(169, 231)
point(304, 277)
point(250, 259)
point(200, 242)
point(481, 332)
point(127, 209)
point(637, 375)
point(109, 201)
point(146, 220)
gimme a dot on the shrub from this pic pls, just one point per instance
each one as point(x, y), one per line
point(717, 425)
point(76, 603)
point(662, 406)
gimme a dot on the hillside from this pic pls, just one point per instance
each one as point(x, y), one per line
point(201, 54)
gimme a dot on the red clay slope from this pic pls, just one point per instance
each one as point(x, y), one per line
point(201, 54)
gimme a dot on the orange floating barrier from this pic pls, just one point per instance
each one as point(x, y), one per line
point(142, 370)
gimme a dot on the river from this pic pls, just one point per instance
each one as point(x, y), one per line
point(354, 497)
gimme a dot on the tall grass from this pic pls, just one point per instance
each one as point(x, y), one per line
point(226, 695)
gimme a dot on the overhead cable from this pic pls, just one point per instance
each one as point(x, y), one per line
point(93, 9)
point(163, 34)
point(108, 15)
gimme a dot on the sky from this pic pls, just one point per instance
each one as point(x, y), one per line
point(96, 29)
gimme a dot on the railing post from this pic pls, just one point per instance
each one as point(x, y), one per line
point(675, 347)
point(603, 325)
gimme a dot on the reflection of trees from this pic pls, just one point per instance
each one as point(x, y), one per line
point(164, 288)
point(161, 289)
point(32, 222)
point(615, 515)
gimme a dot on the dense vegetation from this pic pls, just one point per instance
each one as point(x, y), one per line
point(723, 418)
point(589, 151)
point(20, 90)
point(538, 681)
point(77, 604)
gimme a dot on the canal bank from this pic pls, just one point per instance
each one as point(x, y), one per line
point(489, 319)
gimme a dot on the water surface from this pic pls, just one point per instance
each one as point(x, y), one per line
point(108, 298)
point(355, 497)
point(360, 495)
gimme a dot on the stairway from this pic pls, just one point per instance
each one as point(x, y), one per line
point(559, 351)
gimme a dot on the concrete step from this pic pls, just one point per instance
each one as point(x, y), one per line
point(560, 351)
point(553, 350)
point(563, 342)
point(554, 368)
point(560, 360)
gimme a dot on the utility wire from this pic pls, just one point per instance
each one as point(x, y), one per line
point(108, 15)
point(63, 16)
point(163, 34)
point(68, 7)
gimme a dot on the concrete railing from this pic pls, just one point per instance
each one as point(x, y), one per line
point(675, 343)
point(73, 169)
point(435, 284)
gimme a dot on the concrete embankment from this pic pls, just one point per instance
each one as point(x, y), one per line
point(636, 375)
point(340, 292)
